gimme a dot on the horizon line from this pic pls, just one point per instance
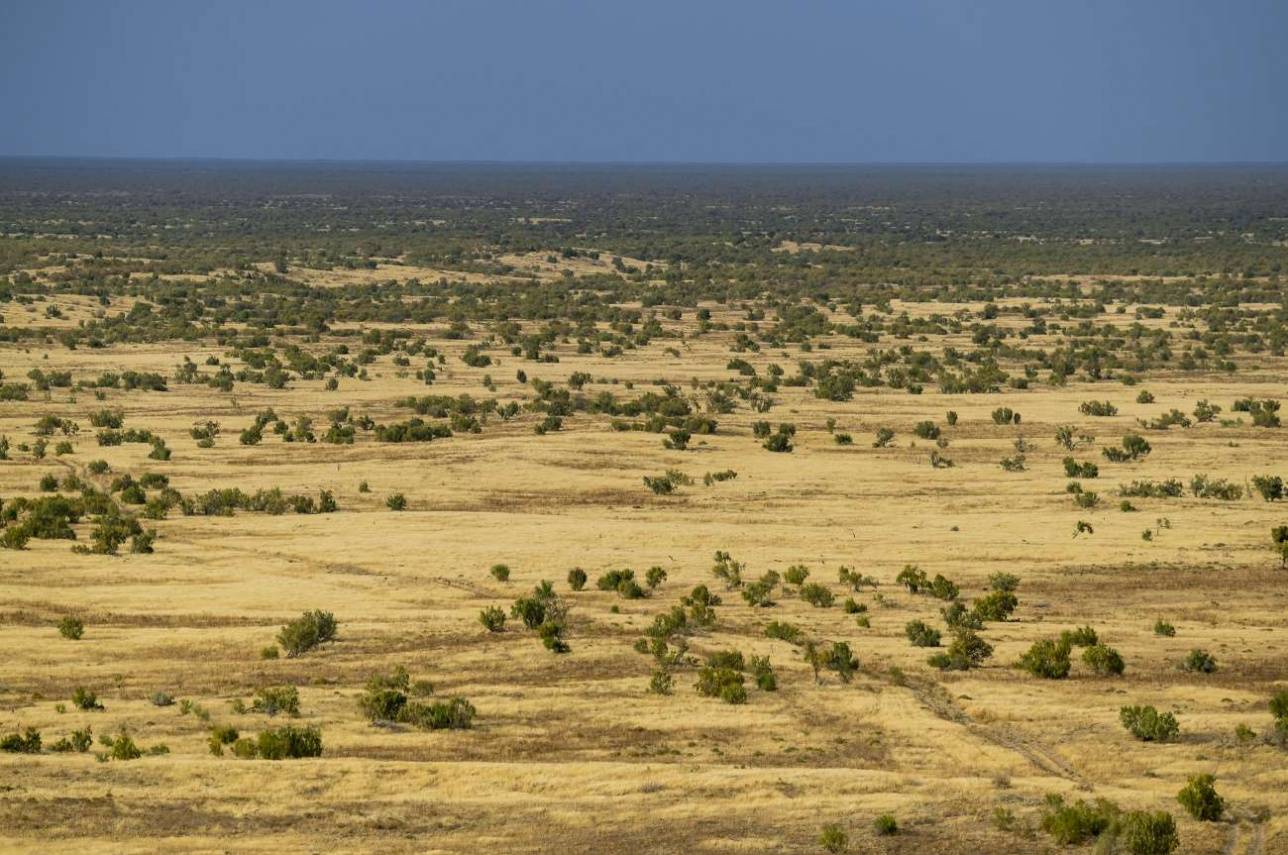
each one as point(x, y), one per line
point(177, 159)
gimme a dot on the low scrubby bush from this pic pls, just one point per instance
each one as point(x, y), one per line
point(307, 632)
point(1149, 725)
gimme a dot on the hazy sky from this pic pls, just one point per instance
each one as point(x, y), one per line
point(648, 80)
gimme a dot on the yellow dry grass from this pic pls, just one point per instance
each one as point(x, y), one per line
point(571, 753)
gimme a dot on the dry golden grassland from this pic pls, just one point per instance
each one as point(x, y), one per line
point(572, 752)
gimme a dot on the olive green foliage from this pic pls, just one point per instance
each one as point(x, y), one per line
point(1148, 724)
point(1200, 799)
point(307, 632)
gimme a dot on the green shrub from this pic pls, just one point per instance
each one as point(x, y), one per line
point(1163, 628)
point(784, 632)
point(1204, 487)
point(912, 577)
point(79, 741)
point(84, 699)
point(396, 502)
point(27, 742)
point(763, 673)
point(576, 578)
point(492, 618)
point(71, 628)
point(995, 606)
point(661, 682)
point(943, 588)
point(1200, 799)
point(1082, 637)
point(289, 742)
point(1279, 706)
point(841, 660)
point(272, 700)
point(500, 572)
point(1074, 469)
point(967, 650)
point(1102, 409)
point(1103, 660)
point(1148, 724)
point(453, 714)
point(307, 631)
point(723, 683)
point(1199, 662)
point(885, 824)
point(921, 635)
point(654, 576)
point(1271, 487)
point(1047, 659)
point(1006, 582)
point(926, 430)
point(817, 595)
point(1147, 833)
point(221, 735)
point(796, 574)
point(1078, 822)
point(15, 537)
point(121, 747)
point(834, 839)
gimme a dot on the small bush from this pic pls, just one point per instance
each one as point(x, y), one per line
point(71, 628)
point(1147, 833)
point(1103, 660)
point(577, 578)
point(966, 651)
point(1078, 822)
point(723, 683)
point(784, 632)
point(796, 574)
point(926, 430)
point(817, 595)
point(885, 824)
point(84, 699)
point(493, 619)
point(654, 576)
point(78, 741)
point(1199, 662)
point(271, 700)
point(1081, 637)
point(221, 735)
point(307, 632)
point(995, 606)
point(1148, 724)
point(1007, 582)
point(921, 635)
point(1047, 659)
point(396, 502)
point(841, 660)
point(289, 742)
point(1163, 628)
point(121, 747)
point(834, 839)
point(500, 572)
point(1200, 799)
point(27, 742)
point(661, 682)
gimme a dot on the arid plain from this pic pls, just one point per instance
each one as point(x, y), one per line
point(572, 751)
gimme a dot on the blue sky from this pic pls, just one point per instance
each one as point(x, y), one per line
point(651, 80)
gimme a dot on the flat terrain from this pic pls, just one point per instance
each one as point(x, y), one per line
point(572, 752)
